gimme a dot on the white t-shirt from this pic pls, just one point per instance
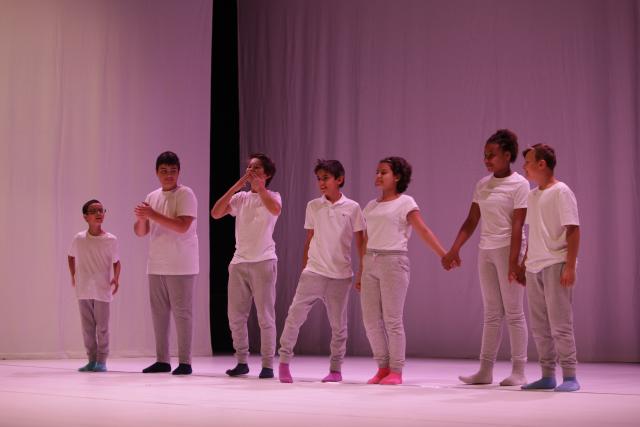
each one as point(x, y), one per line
point(170, 252)
point(497, 198)
point(549, 212)
point(254, 227)
point(94, 259)
point(387, 226)
point(333, 225)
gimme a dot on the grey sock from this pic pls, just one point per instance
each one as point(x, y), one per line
point(517, 374)
point(483, 376)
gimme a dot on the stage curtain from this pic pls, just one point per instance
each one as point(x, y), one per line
point(360, 80)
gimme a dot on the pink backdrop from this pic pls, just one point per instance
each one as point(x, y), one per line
point(91, 91)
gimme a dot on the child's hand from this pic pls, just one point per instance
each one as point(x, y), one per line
point(568, 276)
point(358, 286)
point(73, 281)
point(144, 211)
point(258, 183)
point(115, 285)
point(242, 182)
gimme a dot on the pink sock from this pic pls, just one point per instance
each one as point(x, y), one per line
point(284, 375)
point(333, 377)
point(394, 378)
point(382, 372)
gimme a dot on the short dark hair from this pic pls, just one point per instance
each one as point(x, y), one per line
point(85, 207)
point(543, 152)
point(507, 140)
point(400, 168)
point(167, 158)
point(267, 164)
point(334, 168)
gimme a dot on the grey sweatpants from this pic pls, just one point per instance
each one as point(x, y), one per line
point(334, 293)
point(385, 280)
point(253, 281)
point(172, 294)
point(94, 316)
point(501, 300)
point(551, 317)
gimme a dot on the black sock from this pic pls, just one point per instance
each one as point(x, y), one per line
point(240, 369)
point(266, 373)
point(157, 367)
point(182, 369)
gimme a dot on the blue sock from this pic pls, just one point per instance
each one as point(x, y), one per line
point(100, 367)
point(544, 383)
point(568, 384)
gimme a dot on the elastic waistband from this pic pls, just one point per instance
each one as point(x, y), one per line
point(385, 252)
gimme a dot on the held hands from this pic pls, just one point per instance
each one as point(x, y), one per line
point(451, 260)
point(143, 211)
point(568, 276)
point(116, 286)
point(516, 273)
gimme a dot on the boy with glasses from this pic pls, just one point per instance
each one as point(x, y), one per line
point(92, 254)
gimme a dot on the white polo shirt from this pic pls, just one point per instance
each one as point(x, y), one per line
point(170, 252)
point(254, 227)
point(333, 225)
point(498, 198)
point(548, 214)
point(94, 258)
point(387, 225)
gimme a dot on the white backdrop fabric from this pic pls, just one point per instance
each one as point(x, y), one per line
point(431, 80)
point(91, 91)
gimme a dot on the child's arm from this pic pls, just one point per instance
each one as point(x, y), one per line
point(517, 223)
point(305, 252)
point(452, 258)
point(568, 276)
point(361, 247)
point(221, 207)
point(415, 219)
point(115, 282)
point(258, 185)
point(72, 269)
point(141, 226)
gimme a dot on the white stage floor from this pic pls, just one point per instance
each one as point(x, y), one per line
point(53, 393)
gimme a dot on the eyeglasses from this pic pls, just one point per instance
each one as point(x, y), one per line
point(94, 211)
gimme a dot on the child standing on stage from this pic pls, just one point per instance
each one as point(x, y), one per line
point(554, 237)
point(385, 278)
point(331, 221)
point(253, 269)
point(500, 199)
point(168, 215)
point(92, 255)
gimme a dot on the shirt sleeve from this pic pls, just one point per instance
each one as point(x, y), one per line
point(187, 204)
point(409, 205)
point(234, 203)
point(277, 197)
point(309, 220)
point(115, 255)
point(73, 249)
point(521, 195)
point(476, 193)
point(567, 207)
point(359, 223)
